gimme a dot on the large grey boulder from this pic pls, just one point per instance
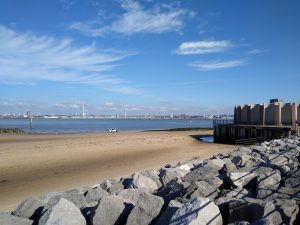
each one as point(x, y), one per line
point(200, 189)
point(240, 160)
point(241, 179)
point(146, 210)
point(166, 215)
point(252, 210)
point(200, 211)
point(172, 190)
point(263, 222)
point(112, 210)
point(193, 163)
point(132, 195)
point(30, 208)
point(205, 173)
point(168, 174)
point(237, 193)
point(75, 197)
point(153, 175)
point(116, 188)
point(288, 210)
point(140, 181)
point(63, 213)
point(7, 219)
point(95, 194)
point(216, 163)
point(106, 184)
point(268, 178)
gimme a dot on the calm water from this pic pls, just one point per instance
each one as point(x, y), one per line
point(98, 125)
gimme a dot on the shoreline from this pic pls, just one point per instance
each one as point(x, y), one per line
point(31, 165)
point(18, 131)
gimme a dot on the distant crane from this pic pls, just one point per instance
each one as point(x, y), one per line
point(83, 114)
point(29, 114)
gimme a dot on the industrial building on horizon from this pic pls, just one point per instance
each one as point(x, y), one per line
point(259, 122)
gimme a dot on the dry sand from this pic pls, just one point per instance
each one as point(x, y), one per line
point(31, 165)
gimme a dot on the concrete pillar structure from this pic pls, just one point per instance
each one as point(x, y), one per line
point(249, 107)
point(286, 114)
point(278, 114)
point(255, 114)
point(262, 114)
point(298, 114)
point(294, 116)
point(238, 114)
point(244, 114)
point(270, 114)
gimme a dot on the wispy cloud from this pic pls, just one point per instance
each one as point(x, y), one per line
point(136, 19)
point(203, 47)
point(217, 65)
point(255, 51)
point(28, 58)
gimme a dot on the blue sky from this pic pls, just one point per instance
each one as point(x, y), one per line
point(148, 57)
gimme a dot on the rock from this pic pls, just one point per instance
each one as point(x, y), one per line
point(172, 190)
point(116, 188)
point(240, 223)
point(287, 193)
point(132, 195)
point(228, 167)
point(265, 194)
point(252, 210)
point(291, 182)
point(279, 160)
point(64, 212)
point(216, 163)
point(31, 208)
point(106, 184)
point(112, 210)
point(262, 222)
point(240, 160)
point(146, 210)
point(184, 167)
point(76, 198)
point(142, 182)
point(193, 163)
point(200, 189)
point(95, 194)
point(153, 175)
point(168, 174)
point(241, 179)
point(166, 216)
point(205, 173)
point(288, 210)
point(7, 219)
point(237, 193)
point(268, 178)
point(199, 211)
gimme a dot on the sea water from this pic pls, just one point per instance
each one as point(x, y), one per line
point(100, 125)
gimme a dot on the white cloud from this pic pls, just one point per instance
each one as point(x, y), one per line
point(203, 47)
point(255, 51)
point(26, 58)
point(136, 19)
point(217, 65)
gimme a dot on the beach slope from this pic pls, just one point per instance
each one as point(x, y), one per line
point(31, 165)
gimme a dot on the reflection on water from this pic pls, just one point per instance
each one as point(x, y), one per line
point(209, 139)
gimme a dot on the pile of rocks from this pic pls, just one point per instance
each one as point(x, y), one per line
point(252, 185)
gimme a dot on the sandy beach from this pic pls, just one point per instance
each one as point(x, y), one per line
point(31, 165)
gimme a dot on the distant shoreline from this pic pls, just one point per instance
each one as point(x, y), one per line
point(20, 131)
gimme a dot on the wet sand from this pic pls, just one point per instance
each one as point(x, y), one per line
point(31, 165)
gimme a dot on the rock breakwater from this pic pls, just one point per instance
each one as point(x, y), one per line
point(252, 185)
